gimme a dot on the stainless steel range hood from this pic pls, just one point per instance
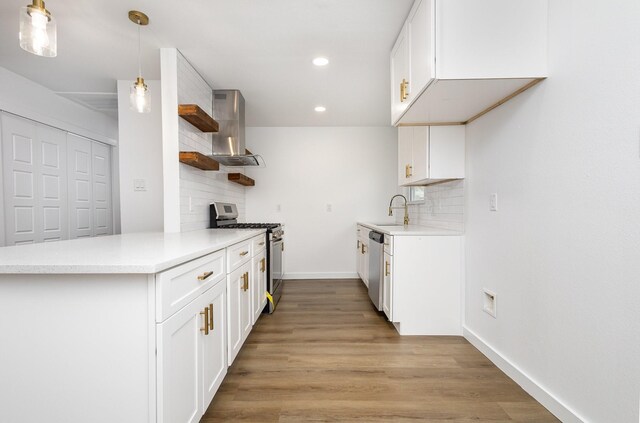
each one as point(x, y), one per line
point(229, 142)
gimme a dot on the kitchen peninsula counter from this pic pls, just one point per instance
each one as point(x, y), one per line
point(145, 253)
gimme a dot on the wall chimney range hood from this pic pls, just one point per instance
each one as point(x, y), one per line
point(228, 144)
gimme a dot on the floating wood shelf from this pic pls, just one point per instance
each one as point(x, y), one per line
point(241, 179)
point(195, 159)
point(193, 114)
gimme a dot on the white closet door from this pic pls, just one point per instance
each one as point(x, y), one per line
point(102, 211)
point(80, 189)
point(34, 169)
point(53, 183)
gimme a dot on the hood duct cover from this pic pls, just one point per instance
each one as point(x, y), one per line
point(228, 144)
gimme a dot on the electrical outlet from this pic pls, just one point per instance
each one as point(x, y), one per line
point(139, 185)
point(493, 202)
point(489, 302)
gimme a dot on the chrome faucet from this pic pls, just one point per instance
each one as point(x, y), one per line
point(406, 208)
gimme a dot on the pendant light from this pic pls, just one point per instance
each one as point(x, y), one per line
point(139, 99)
point(38, 30)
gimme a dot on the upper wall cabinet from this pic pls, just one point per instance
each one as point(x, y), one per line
point(455, 60)
point(429, 154)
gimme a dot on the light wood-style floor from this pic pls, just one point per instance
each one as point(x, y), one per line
point(326, 355)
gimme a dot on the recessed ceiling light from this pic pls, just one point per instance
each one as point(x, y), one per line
point(321, 61)
point(320, 109)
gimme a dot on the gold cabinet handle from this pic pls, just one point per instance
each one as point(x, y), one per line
point(408, 171)
point(263, 265)
point(357, 248)
point(205, 313)
point(386, 268)
point(245, 286)
point(283, 246)
point(362, 248)
point(244, 253)
point(204, 276)
point(261, 243)
point(210, 316)
point(404, 87)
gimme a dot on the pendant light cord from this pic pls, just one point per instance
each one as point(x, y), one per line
point(139, 59)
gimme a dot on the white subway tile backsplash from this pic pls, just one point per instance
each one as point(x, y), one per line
point(200, 186)
point(443, 207)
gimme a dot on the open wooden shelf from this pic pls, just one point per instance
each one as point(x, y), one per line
point(241, 179)
point(195, 159)
point(193, 114)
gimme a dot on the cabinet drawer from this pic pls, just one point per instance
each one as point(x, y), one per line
point(237, 254)
point(388, 244)
point(258, 244)
point(178, 286)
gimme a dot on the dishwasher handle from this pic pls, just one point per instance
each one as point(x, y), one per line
point(376, 237)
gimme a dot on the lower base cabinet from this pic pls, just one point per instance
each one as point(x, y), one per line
point(387, 283)
point(192, 357)
point(259, 284)
point(239, 312)
point(423, 285)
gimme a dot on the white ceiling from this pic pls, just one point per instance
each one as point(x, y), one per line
point(263, 48)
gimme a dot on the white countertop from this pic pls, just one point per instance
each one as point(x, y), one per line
point(149, 252)
point(410, 230)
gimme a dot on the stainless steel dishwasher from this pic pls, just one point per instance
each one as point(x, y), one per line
point(376, 253)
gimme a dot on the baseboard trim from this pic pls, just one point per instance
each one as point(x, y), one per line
point(531, 386)
point(328, 275)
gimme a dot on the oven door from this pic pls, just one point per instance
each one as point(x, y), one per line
point(276, 271)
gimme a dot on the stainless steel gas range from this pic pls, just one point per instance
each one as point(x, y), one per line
point(225, 216)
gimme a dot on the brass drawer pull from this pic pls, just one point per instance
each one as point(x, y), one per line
point(386, 268)
point(205, 313)
point(261, 243)
point(204, 276)
point(244, 253)
point(245, 278)
point(263, 265)
point(210, 316)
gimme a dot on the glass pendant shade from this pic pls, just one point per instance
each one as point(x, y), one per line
point(139, 97)
point(38, 30)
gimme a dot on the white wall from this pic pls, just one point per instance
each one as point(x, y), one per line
point(189, 191)
point(25, 98)
point(353, 169)
point(200, 188)
point(562, 253)
point(140, 157)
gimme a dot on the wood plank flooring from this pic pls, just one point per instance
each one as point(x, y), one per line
point(326, 355)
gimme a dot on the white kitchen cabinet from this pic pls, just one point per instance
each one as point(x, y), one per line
point(399, 75)
point(428, 154)
point(192, 362)
point(362, 259)
point(465, 57)
point(422, 285)
point(131, 325)
point(387, 288)
point(214, 344)
point(239, 308)
point(259, 284)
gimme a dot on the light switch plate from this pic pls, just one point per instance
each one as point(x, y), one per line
point(493, 202)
